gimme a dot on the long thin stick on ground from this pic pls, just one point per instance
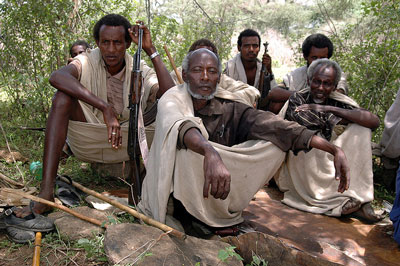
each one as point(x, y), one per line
point(10, 181)
point(129, 210)
point(61, 207)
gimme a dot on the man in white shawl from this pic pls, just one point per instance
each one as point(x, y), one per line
point(390, 142)
point(315, 46)
point(228, 88)
point(92, 99)
point(215, 182)
point(306, 178)
point(245, 66)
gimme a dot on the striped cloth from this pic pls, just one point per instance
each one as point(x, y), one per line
point(321, 121)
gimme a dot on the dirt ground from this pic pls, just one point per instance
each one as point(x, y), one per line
point(12, 254)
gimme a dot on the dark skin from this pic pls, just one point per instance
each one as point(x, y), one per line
point(249, 51)
point(278, 96)
point(77, 49)
point(202, 76)
point(322, 84)
point(316, 53)
point(267, 61)
point(65, 107)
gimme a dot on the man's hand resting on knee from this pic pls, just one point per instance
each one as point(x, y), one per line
point(113, 127)
point(215, 173)
point(342, 170)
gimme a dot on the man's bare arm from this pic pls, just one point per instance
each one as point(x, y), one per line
point(342, 171)
point(215, 172)
point(165, 81)
point(360, 116)
point(278, 94)
point(277, 98)
point(65, 80)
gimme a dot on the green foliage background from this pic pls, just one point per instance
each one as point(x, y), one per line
point(35, 39)
point(369, 51)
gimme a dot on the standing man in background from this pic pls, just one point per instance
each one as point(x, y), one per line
point(245, 66)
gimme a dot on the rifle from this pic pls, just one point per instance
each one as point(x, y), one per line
point(264, 85)
point(133, 141)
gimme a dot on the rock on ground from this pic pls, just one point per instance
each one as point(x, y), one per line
point(75, 228)
point(145, 245)
point(272, 250)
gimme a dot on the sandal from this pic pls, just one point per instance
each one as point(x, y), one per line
point(3, 215)
point(66, 193)
point(33, 222)
point(20, 236)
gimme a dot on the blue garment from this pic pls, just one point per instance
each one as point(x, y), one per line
point(395, 213)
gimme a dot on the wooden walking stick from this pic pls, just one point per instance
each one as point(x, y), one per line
point(61, 207)
point(171, 60)
point(129, 210)
point(36, 251)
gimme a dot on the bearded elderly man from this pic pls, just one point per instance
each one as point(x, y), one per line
point(228, 88)
point(316, 46)
point(338, 118)
point(204, 145)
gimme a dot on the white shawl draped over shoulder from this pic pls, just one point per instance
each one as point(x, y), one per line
point(180, 172)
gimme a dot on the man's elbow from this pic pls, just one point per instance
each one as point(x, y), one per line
point(375, 122)
point(54, 77)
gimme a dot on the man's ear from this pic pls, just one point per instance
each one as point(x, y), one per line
point(239, 48)
point(97, 43)
point(184, 76)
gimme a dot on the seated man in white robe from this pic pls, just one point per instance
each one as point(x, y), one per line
point(316, 46)
point(92, 99)
point(306, 177)
point(228, 88)
point(212, 155)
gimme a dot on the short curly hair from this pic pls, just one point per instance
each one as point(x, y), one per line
point(203, 42)
point(317, 40)
point(248, 33)
point(79, 42)
point(112, 20)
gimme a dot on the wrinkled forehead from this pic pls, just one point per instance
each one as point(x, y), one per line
point(250, 40)
point(111, 32)
point(203, 57)
point(325, 71)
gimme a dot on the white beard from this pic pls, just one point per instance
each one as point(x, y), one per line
point(318, 101)
point(199, 96)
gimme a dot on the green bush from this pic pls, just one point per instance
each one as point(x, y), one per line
point(369, 52)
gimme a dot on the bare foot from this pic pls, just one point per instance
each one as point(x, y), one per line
point(38, 208)
point(350, 206)
point(367, 213)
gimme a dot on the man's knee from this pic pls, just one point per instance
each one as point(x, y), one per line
point(62, 101)
point(65, 104)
